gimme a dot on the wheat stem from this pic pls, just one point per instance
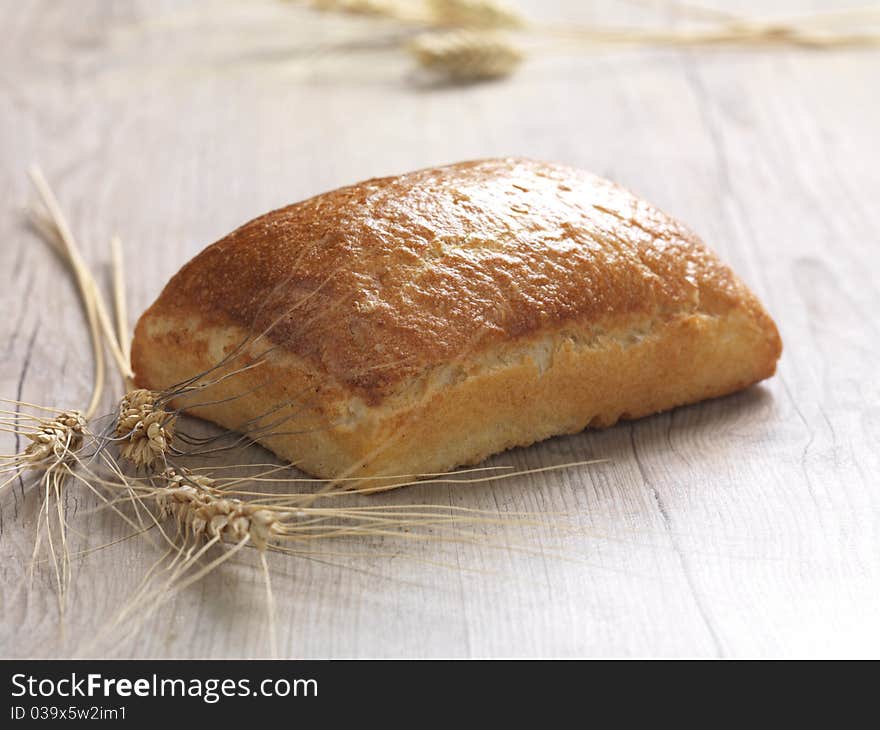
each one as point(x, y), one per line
point(57, 233)
point(270, 606)
point(84, 283)
point(119, 300)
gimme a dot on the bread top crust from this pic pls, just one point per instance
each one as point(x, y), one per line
point(377, 282)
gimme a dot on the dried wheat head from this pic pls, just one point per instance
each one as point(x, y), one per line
point(144, 428)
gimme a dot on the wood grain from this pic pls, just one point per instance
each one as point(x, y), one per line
point(747, 526)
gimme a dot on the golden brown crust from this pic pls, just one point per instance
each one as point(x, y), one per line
point(374, 283)
point(465, 309)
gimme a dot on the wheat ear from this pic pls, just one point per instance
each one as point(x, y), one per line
point(144, 428)
point(480, 14)
point(466, 55)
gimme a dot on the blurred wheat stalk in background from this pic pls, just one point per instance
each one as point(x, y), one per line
point(472, 40)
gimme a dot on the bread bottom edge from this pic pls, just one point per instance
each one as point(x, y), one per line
point(684, 360)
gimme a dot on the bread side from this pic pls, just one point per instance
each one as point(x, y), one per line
point(464, 411)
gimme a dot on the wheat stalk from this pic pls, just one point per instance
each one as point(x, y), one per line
point(484, 14)
point(144, 428)
point(357, 7)
point(465, 55)
point(480, 14)
point(197, 507)
point(56, 231)
point(123, 337)
point(56, 439)
point(53, 439)
point(391, 9)
point(739, 35)
point(53, 442)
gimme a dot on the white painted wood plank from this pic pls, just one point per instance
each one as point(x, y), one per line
point(745, 526)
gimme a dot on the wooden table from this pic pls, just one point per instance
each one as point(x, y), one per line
point(743, 526)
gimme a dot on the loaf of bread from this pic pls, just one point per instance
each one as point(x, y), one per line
point(408, 325)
